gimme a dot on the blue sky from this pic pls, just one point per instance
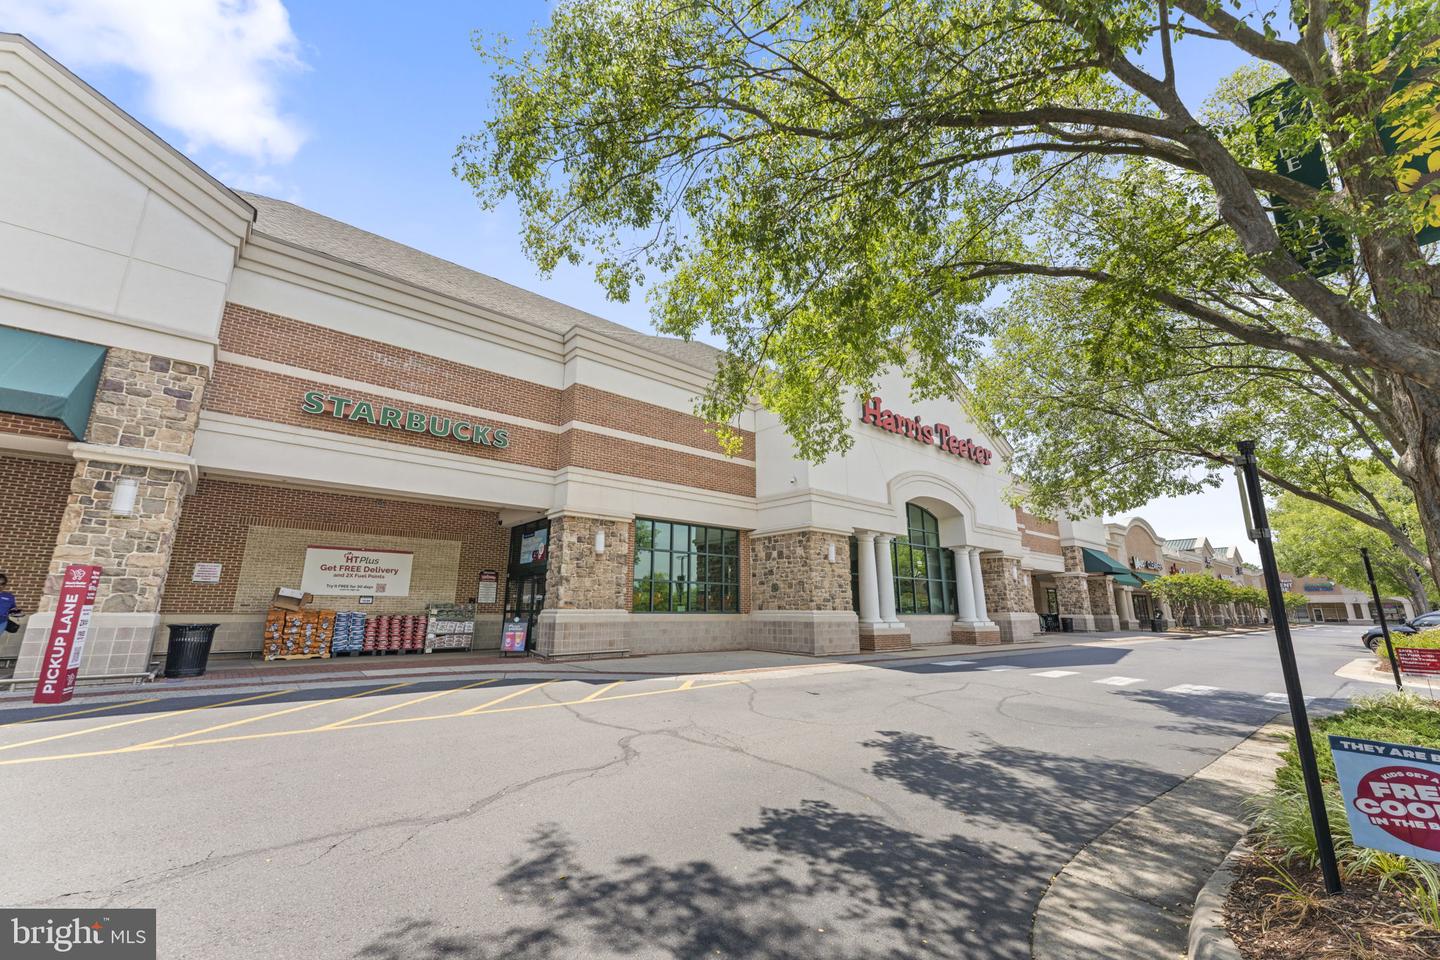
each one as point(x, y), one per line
point(354, 109)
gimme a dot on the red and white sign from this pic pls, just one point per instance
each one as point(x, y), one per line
point(1418, 660)
point(1392, 795)
point(347, 571)
point(61, 663)
point(932, 435)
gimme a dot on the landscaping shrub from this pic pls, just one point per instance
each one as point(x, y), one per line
point(1428, 639)
point(1282, 816)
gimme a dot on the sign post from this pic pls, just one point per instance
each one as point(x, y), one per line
point(1257, 525)
point(1380, 612)
point(60, 666)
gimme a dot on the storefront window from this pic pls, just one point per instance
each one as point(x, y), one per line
point(685, 568)
point(924, 573)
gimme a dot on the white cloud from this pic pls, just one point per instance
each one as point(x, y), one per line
point(212, 68)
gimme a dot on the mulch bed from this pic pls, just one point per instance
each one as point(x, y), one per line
point(1270, 922)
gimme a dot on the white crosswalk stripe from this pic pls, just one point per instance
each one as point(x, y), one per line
point(1193, 689)
point(995, 669)
point(1282, 698)
point(1119, 681)
point(1053, 674)
point(953, 663)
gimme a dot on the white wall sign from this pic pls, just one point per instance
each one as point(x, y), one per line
point(354, 571)
point(206, 573)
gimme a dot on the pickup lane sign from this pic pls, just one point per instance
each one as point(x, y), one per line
point(1392, 795)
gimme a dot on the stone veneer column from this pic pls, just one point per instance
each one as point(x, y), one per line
point(1072, 590)
point(141, 429)
point(800, 597)
point(1010, 599)
point(587, 594)
point(972, 625)
point(1102, 602)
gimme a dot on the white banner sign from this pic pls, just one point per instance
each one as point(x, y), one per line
point(356, 571)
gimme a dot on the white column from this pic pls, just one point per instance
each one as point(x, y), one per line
point(964, 585)
point(885, 573)
point(869, 595)
point(982, 611)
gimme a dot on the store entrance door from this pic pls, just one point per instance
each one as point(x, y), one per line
point(525, 579)
point(524, 599)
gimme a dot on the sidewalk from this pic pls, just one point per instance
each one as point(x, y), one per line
point(1130, 893)
point(244, 673)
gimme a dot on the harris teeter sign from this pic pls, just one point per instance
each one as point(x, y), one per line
point(397, 418)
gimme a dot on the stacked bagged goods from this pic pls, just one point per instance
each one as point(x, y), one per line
point(349, 633)
point(451, 627)
point(298, 634)
point(394, 632)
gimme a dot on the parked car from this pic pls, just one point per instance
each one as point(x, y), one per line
point(1374, 637)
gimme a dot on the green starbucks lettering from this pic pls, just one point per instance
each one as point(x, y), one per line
point(317, 402)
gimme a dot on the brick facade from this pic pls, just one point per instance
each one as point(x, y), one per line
point(26, 426)
point(268, 336)
point(264, 395)
point(35, 492)
point(1037, 533)
point(219, 515)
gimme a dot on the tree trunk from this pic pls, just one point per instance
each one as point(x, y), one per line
point(1418, 412)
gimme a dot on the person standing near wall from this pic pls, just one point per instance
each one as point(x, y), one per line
point(7, 605)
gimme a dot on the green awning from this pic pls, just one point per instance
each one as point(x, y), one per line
point(44, 376)
point(1145, 577)
point(1097, 562)
point(1128, 579)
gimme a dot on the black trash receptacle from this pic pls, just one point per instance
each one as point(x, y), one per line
point(1067, 624)
point(1157, 624)
point(189, 649)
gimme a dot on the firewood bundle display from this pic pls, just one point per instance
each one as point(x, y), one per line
point(298, 634)
point(388, 632)
point(451, 626)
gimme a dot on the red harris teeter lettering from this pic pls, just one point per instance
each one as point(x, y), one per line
point(935, 435)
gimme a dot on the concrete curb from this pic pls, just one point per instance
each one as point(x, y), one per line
point(1131, 892)
point(1209, 940)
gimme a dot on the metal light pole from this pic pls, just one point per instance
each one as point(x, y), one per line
point(1380, 612)
point(1257, 524)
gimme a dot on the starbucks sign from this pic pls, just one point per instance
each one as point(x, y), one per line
point(319, 403)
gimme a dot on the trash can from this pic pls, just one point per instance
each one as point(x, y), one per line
point(189, 649)
point(1157, 624)
point(1067, 624)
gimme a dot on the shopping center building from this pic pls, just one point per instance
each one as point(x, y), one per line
point(214, 395)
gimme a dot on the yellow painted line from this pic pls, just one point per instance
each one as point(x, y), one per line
point(407, 703)
point(687, 684)
point(353, 725)
point(148, 717)
point(598, 691)
point(267, 716)
point(76, 713)
point(509, 696)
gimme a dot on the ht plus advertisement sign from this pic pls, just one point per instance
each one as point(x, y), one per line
point(1392, 795)
point(61, 662)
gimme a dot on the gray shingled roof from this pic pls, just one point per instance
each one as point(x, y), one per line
point(308, 229)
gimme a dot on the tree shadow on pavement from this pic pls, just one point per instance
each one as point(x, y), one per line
point(834, 883)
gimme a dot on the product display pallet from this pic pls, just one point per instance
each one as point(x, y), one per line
point(300, 656)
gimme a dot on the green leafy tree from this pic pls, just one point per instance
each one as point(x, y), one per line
point(1196, 592)
point(1313, 540)
point(837, 188)
point(1295, 602)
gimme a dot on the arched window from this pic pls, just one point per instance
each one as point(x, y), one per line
point(924, 571)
